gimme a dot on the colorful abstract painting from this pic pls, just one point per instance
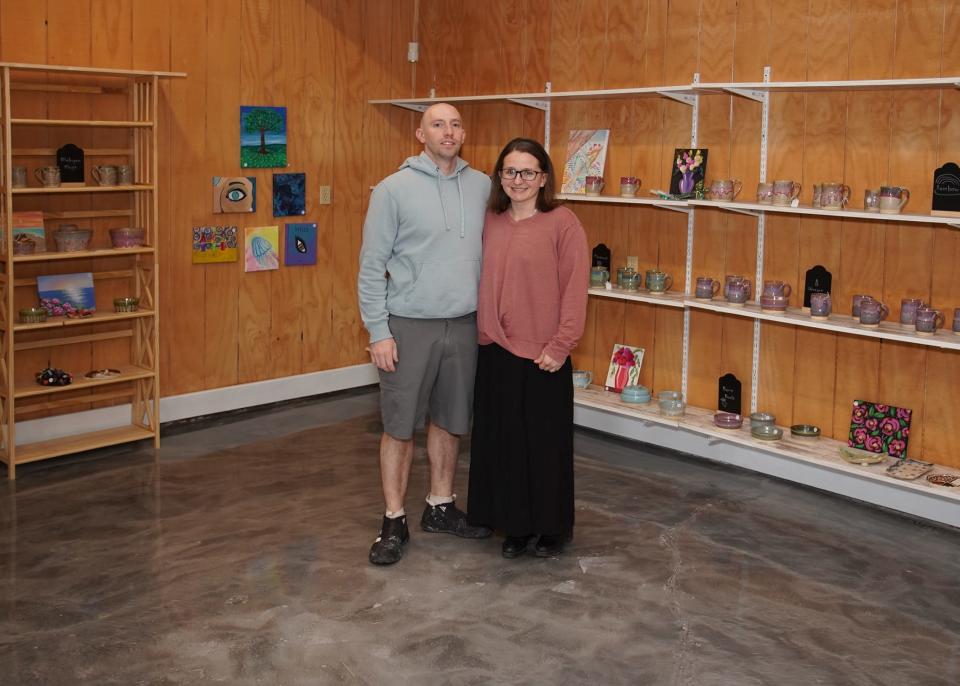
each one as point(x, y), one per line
point(263, 137)
point(234, 194)
point(215, 244)
point(624, 367)
point(69, 295)
point(586, 156)
point(28, 226)
point(289, 195)
point(300, 244)
point(261, 248)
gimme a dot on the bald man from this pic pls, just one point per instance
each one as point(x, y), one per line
point(419, 274)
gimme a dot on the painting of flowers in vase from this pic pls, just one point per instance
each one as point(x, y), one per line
point(624, 367)
point(689, 171)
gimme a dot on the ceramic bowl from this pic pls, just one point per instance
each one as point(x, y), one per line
point(767, 432)
point(857, 456)
point(73, 240)
point(762, 419)
point(805, 430)
point(126, 237)
point(23, 244)
point(669, 395)
point(775, 303)
point(672, 408)
point(728, 420)
point(635, 394)
point(33, 315)
point(126, 304)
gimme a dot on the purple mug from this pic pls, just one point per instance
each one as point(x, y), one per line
point(872, 312)
point(857, 300)
point(738, 292)
point(820, 305)
point(928, 321)
point(706, 287)
point(908, 310)
point(776, 288)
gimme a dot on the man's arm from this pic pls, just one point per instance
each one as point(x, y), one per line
point(379, 235)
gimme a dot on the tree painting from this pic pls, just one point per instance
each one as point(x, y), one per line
point(263, 137)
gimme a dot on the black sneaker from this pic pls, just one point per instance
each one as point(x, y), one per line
point(388, 548)
point(548, 546)
point(447, 519)
point(515, 546)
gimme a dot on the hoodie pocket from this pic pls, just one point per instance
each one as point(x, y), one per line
point(445, 289)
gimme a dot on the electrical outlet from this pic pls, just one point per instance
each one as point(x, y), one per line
point(324, 195)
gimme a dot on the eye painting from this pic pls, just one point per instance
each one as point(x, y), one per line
point(234, 194)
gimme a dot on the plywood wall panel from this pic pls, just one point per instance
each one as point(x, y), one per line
point(789, 25)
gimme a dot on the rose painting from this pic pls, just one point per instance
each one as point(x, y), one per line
point(879, 428)
point(624, 367)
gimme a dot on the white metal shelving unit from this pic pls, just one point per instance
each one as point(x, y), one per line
point(813, 462)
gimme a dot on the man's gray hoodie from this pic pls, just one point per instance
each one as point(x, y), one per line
point(424, 231)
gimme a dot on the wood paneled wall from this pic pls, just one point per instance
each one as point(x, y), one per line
point(323, 60)
point(864, 139)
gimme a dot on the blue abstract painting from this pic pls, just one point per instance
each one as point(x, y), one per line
point(289, 195)
point(300, 244)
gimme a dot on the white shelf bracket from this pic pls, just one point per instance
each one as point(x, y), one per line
point(685, 98)
point(747, 93)
point(535, 104)
point(416, 107)
point(675, 208)
point(547, 111)
point(740, 210)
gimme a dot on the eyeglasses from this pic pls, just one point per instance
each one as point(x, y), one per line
point(526, 174)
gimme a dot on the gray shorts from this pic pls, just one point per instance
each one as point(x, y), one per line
point(438, 361)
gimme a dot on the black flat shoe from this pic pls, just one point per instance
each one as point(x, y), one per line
point(549, 546)
point(515, 546)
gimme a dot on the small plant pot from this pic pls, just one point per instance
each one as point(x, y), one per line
point(33, 315)
point(126, 237)
point(73, 240)
point(130, 304)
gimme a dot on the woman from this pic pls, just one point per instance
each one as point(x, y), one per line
point(531, 312)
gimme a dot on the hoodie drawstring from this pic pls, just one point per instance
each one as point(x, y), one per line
point(443, 207)
point(463, 231)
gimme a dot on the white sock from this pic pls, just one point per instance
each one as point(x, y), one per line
point(434, 500)
point(395, 515)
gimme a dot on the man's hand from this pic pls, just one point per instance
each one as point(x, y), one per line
point(384, 354)
point(547, 363)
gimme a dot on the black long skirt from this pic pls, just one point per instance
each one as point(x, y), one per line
point(521, 451)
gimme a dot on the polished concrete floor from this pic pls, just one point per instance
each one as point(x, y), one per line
point(237, 555)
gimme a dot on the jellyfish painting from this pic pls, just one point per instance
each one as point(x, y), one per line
point(261, 248)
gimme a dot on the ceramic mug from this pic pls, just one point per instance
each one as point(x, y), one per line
point(631, 281)
point(765, 193)
point(621, 273)
point(124, 175)
point(908, 310)
point(892, 199)
point(738, 292)
point(858, 300)
point(599, 276)
point(48, 176)
point(872, 312)
point(629, 186)
point(871, 200)
point(833, 196)
point(820, 305)
point(724, 189)
point(582, 378)
point(817, 193)
point(732, 279)
point(928, 321)
point(104, 174)
point(18, 178)
point(785, 191)
point(658, 281)
point(593, 185)
point(706, 288)
point(776, 289)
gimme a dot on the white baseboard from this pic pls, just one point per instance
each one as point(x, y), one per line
point(176, 407)
point(891, 495)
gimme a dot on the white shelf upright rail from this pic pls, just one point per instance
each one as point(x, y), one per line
point(694, 102)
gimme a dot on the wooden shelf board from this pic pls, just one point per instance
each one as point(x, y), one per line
point(31, 190)
point(824, 452)
point(903, 217)
point(837, 323)
point(64, 69)
point(847, 85)
point(113, 124)
point(618, 200)
point(553, 96)
point(666, 299)
point(95, 318)
point(87, 152)
point(41, 450)
point(80, 382)
point(83, 254)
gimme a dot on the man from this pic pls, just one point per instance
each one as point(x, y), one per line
point(419, 275)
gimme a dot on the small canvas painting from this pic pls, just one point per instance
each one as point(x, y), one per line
point(214, 244)
point(234, 194)
point(688, 172)
point(28, 226)
point(624, 367)
point(68, 295)
point(879, 428)
point(263, 137)
point(289, 195)
point(300, 244)
point(261, 248)
point(586, 156)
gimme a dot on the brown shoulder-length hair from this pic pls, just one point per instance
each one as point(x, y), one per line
point(499, 200)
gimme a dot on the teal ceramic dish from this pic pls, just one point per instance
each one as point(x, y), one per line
point(767, 432)
point(805, 430)
point(635, 394)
